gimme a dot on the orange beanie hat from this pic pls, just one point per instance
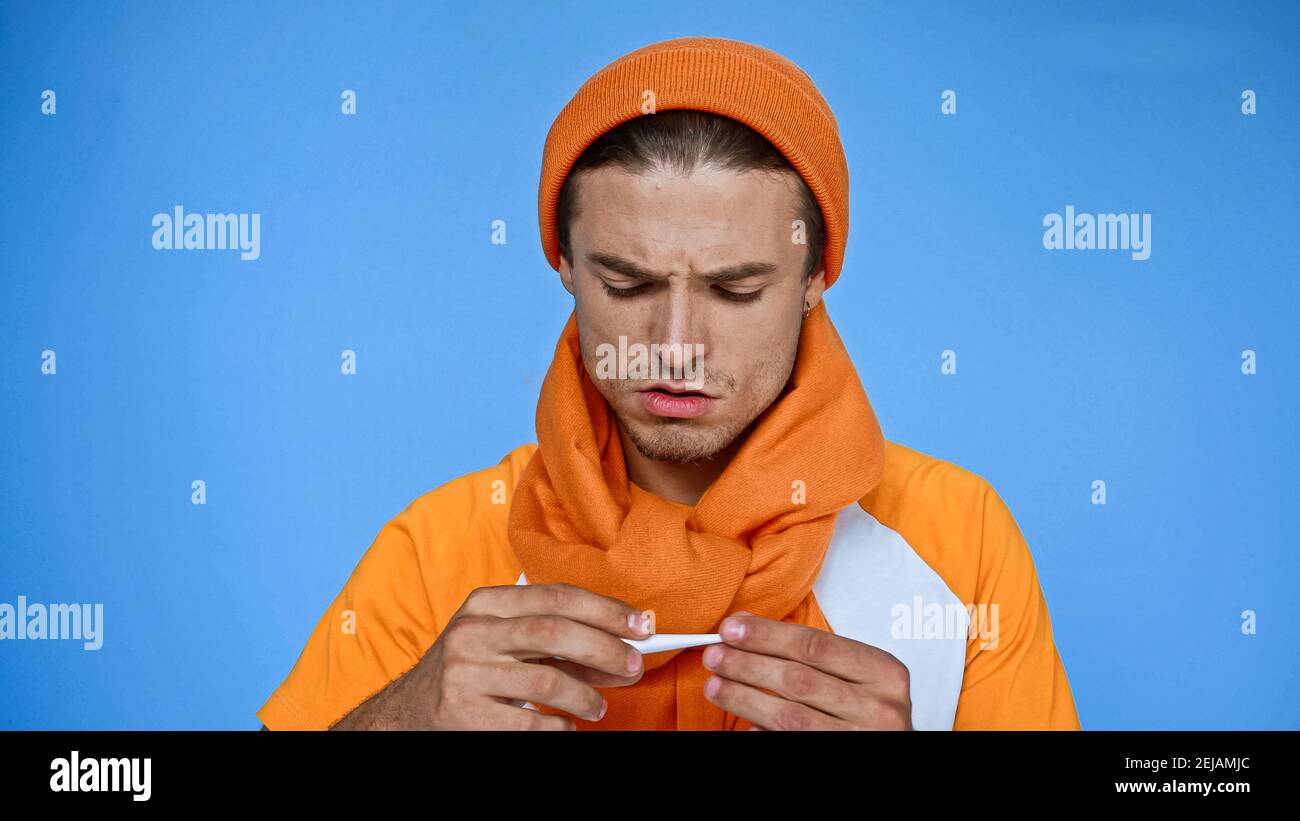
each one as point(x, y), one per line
point(745, 82)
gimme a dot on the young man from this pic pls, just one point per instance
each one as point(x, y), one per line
point(706, 453)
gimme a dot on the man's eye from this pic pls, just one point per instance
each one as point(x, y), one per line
point(740, 296)
point(624, 293)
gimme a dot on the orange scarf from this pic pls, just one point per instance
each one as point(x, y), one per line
point(750, 543)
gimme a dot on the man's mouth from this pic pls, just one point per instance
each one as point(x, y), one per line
point(676, 401)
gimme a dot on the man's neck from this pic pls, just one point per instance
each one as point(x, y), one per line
point(678, 482)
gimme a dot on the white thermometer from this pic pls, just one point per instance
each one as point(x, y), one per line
point(660, 642)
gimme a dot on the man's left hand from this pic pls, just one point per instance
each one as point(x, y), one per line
point(818, 680)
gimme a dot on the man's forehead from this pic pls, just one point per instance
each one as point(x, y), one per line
point(704, 183)
point(636, 229)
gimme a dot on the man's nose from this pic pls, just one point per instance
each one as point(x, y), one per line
point(677, 332)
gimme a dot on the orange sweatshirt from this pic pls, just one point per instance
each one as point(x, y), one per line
point(929, 566)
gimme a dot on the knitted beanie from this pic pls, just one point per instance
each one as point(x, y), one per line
point(745, 82)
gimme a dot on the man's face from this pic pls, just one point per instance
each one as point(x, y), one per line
point(706, 267)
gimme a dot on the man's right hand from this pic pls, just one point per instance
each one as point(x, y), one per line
point(499, 652)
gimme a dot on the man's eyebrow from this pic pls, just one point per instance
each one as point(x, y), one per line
point(732, 272)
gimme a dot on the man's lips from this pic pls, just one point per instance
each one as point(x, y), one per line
point(675, 400)
point(678, 387)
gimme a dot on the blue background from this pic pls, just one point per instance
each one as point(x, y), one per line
point(1072, 366)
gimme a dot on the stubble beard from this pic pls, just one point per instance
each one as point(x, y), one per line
point(682, 441)
point(694, 441)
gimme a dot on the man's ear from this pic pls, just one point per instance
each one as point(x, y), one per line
point(812, 292)
point(566, 273)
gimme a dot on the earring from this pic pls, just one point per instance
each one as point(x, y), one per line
point(807, 309)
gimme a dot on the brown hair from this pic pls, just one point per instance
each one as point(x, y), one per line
point(682, 140)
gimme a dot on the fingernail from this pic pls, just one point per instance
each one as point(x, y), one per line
point(604, 705)
point(633, 660)
point(712, 655)
point(733, 629)
point(712, 686)
point(642, 622)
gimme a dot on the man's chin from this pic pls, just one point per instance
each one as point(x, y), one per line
point(681, 441)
